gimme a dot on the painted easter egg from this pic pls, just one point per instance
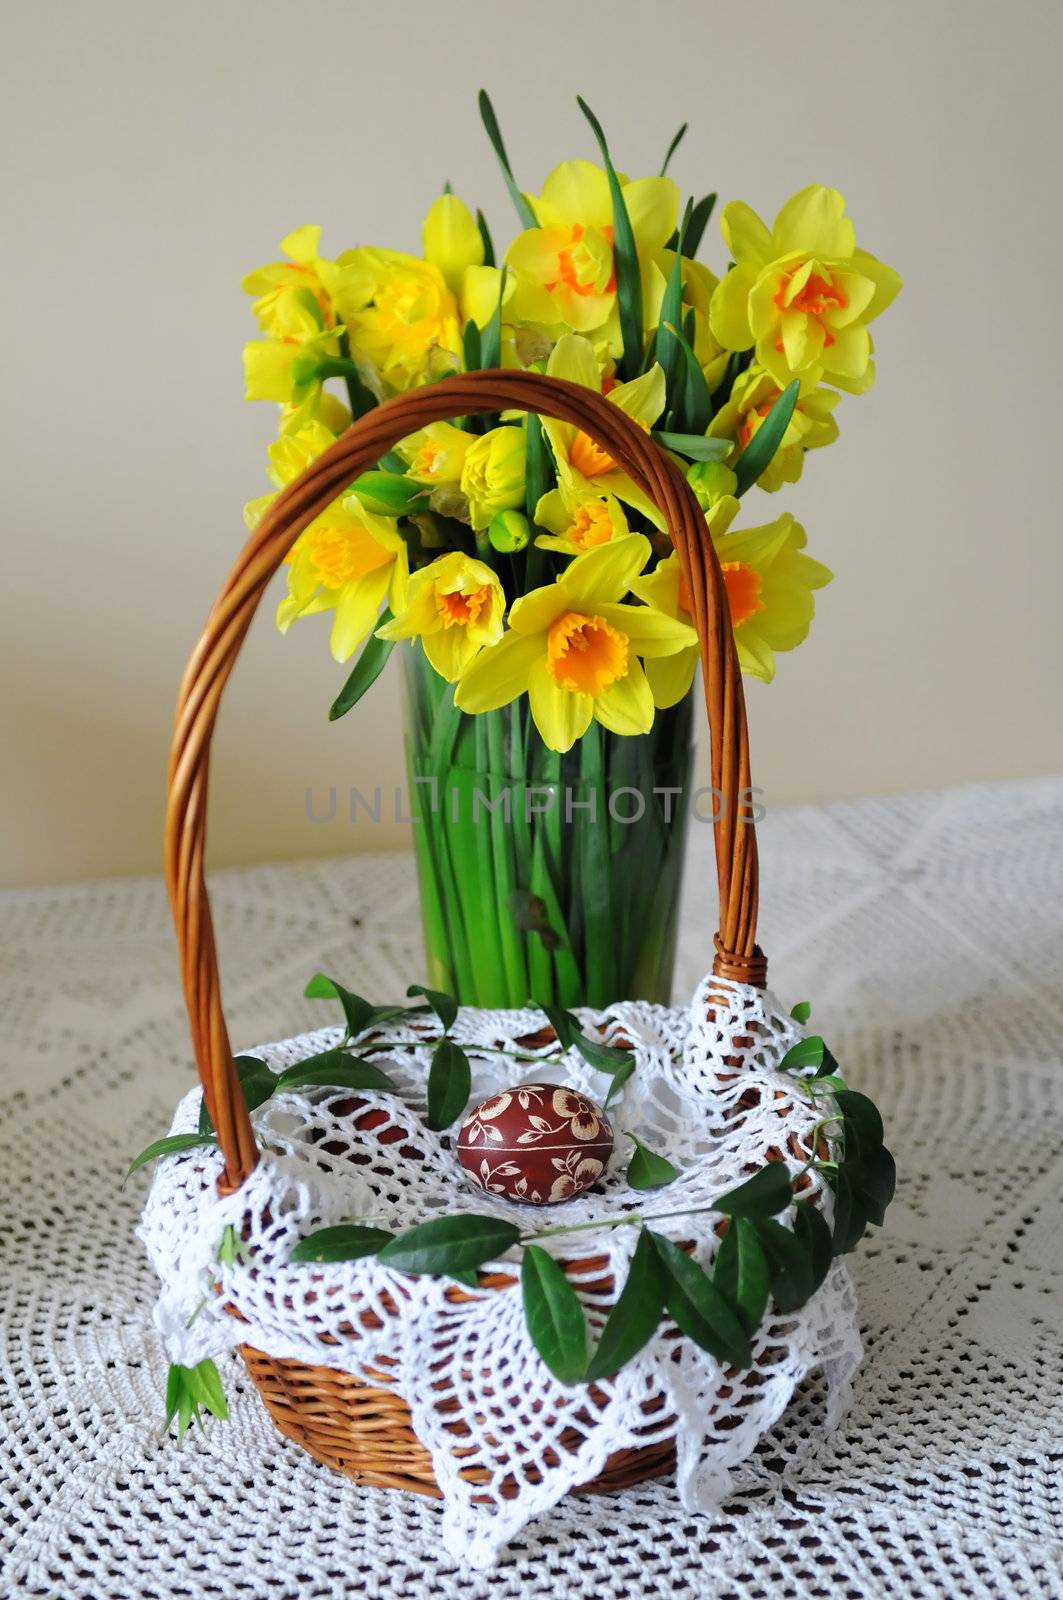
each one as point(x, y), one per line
point(537, 1142)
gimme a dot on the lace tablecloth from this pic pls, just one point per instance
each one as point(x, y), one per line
point(928, 931)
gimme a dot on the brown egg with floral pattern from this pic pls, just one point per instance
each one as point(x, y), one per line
point(538, 1142)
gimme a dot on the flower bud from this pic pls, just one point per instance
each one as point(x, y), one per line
point(492, 475)
point(509, 531)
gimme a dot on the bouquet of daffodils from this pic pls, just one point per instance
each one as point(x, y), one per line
point(478, 534)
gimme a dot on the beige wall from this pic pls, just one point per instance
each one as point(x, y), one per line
point(160, 151)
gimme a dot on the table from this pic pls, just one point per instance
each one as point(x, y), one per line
point(928, 931)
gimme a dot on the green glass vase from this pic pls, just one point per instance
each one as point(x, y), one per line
point(544, 877)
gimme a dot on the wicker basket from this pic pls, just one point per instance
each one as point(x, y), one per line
point(365, 1430)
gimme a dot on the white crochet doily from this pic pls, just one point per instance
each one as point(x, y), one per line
point(705, 1093)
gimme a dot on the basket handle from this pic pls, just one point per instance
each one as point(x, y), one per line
point(737, 953)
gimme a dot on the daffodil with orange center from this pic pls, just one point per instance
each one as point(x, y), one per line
point(585, 469)
point(578, 522)
point(564, 269)
point(578, 651)
point(769, 582)
point(803, 293)
point(348, 561)
point(294, 297)
point(811, 426)
point(455, 607)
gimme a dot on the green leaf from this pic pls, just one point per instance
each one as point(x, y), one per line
point(741, 1273)
point(367, 669)
point(554, 1315)
point(357, 1011)
point(450, 1244)
point(665, 348)
point(389, 493)
point(831, 1082)
point(697, 398)
point(449, 1084)
point(257, 1083)
point(619, 1078)
point(472, 347)
point(206, 1389)
point(765, 1193)
point(672, 148)
point(538, 464)
point(789, 1263)
point(172, 1145)
point(698, 1308)
point(491, 340)
point(335, 1069)
point(444, 1005)
point(348, 1241)
point(635, 1315)
point(227, 1249)
point(874, 1182)
point(695, 446)
point(767, 439)
point(812, 1232)
point(188, 1388)
point(804, 1054)
point(564, 1024)
point(699, 216)
point(625, 257)
point(494, 133)
point(802, 1011)
point(864, 1132)
point(488, 242)
point(646, 1169)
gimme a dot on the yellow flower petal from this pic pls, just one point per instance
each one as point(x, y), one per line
point(653, 208)
point(576, 193)
point(650, 632)
point(451, 239)
point(573, 358)
point(670, 677)
point(561, 715)
point(626, 707)
point(643, 398)
point(604, 574)
point(745, 235)
point(814, 221)
point(357, 609)
point(887, 282)
point(499, 674)
point(729, 311)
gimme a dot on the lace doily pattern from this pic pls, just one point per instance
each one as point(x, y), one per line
point(926, 929)
point(708, 1096)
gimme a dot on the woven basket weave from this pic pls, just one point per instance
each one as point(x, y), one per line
point(365, 1430)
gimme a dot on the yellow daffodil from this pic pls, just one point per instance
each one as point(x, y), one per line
point(285, 369)
point(576, 650)
point(436, 454)
point(348, 560)
point(408, 317)
point(290, 455)
point(803, 293)
point(769, 582)
point(294, 297)
point(454, 244)
point(455, 607)
point(492, 474)
point(811, 426)
point(564, 267)
point(584, 469)
point(578, 522)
